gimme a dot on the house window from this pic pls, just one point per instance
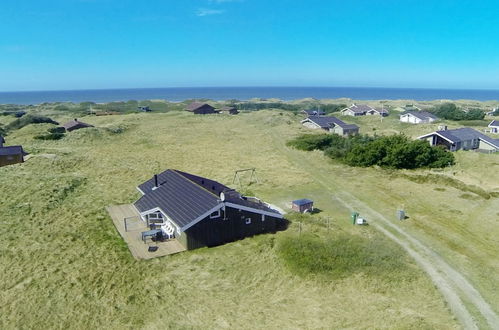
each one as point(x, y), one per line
point(248, 221)
point(155, 216)
point(263, 217)
point(215, 214)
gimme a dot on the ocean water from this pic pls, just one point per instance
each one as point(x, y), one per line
point(245, 93)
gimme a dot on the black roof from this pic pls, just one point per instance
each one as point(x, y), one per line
point(185, 197)
point(11, 150)
point(423, 115)
point(197, 105)
point(464, 134)
point(359, 108)
point(302, 201)
point(461, 134)
point(328, 122)
point(76, 123)
point(492, 123)
point(234, 197)
point(380, 110)
point(178, 197)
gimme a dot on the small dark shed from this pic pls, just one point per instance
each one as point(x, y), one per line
point(303, 205)
point(75, 124)
point(200, 108)
point(11, 155)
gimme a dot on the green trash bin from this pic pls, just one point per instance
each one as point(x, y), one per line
point(355, 215)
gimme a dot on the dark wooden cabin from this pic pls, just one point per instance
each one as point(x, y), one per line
point(200, 108)
point(11, 155)
point(200, 212)
point(75, 124)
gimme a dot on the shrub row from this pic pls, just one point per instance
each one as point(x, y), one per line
point(29, 119)
point(451, 112)
point(395, 151)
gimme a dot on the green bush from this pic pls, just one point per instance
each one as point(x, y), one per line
point(51, 136)
point(29, 119)
point(451, 112)
point(309, 142)
point(330, 108)
point(395, 151)
point(59, 129)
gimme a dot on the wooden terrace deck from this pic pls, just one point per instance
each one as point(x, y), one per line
point(132, 235)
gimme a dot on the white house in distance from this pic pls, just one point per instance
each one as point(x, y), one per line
point(363, 110)
point(417, 117)
point(494, 126)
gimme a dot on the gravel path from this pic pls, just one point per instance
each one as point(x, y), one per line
point(453, 285)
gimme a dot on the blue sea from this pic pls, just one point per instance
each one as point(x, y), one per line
point(245, 93)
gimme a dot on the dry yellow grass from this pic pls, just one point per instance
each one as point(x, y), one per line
point(66, 266)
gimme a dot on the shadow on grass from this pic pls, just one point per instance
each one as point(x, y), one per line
point(315, 211)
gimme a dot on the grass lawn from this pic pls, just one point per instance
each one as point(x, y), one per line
point(66, 266)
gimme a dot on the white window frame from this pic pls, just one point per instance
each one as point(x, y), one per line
point(215, 216)
point(248, 221)
point(263, 217)
point(155, 216)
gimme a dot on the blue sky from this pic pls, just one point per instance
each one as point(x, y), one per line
point(87, 44)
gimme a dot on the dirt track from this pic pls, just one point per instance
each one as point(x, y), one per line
point(454, 286)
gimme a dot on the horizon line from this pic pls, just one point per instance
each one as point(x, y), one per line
point(249, 86)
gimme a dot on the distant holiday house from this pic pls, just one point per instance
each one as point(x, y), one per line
point(229, 110)
point(377, 112)
point(316, 112)
point(330, 124)
point(363, 110)
point(200, 212)
point(417, 117)
point(75, 124)
point(494, 126)
point(462, 139)
point(492, 112)
point(200, 108)
point(11, 154)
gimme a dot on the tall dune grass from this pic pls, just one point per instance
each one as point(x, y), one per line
point(65, 266)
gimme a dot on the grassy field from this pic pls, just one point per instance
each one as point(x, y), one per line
point(66, 266)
